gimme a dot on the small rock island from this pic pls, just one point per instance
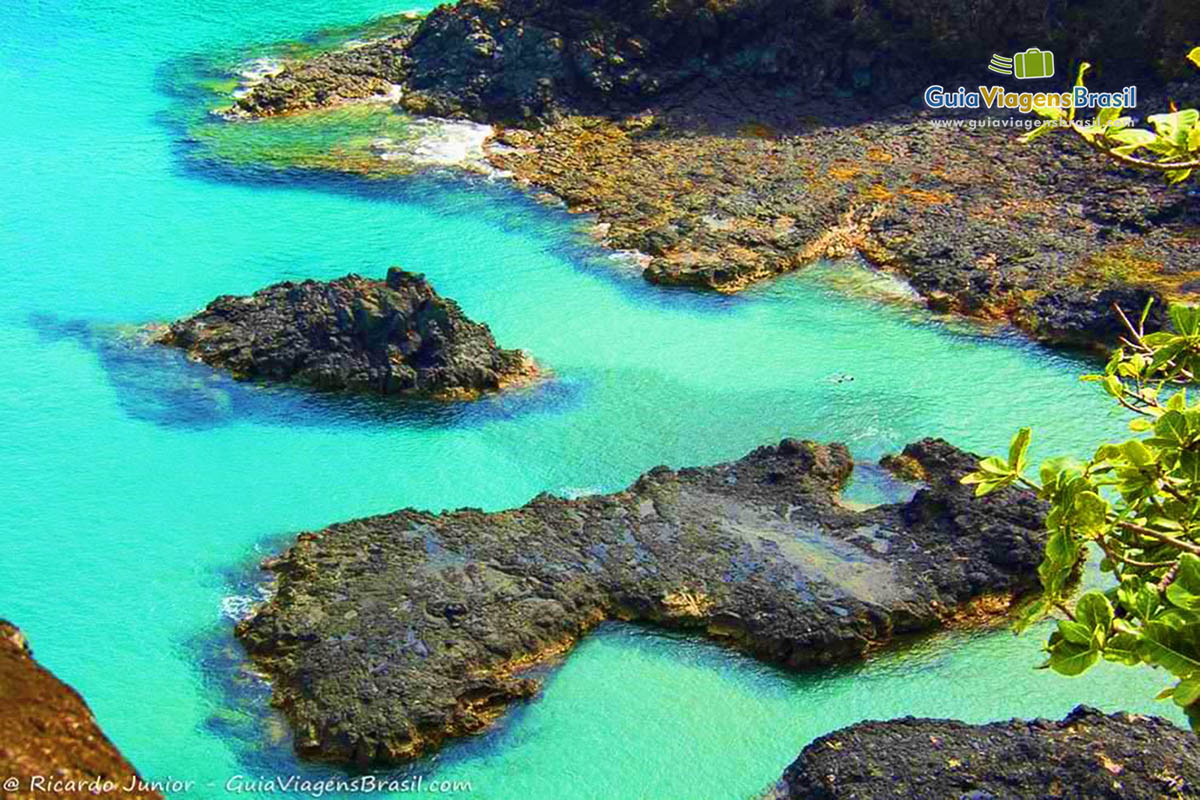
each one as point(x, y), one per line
point(386, 636)
point(1086, 755)
point(50, 744)
point(393, 337)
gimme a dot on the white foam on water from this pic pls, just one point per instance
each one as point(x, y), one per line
point(440, 143)
point(254, 72)
point(576, 492)
point(237, 607)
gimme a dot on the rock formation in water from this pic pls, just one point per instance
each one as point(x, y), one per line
point(396, 336)
point(734, 141)
point(1087, 756)
point(50, 744)
point(387, 635)
point(338, 76)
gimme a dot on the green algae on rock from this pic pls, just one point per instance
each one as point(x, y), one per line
point(1086, 755)
point(392, 337)
point(50, 745)
point(386, 636)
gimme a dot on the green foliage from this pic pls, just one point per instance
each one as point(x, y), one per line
point(1137, 504)
point(1171, 147)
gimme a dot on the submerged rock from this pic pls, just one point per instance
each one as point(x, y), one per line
point(1086, 755)
point(396, 336)
point(390, 634)
point(49, 741)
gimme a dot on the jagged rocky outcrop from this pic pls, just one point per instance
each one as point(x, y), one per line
point(521, 60)
point(392, 337)
point(734, 141)
point(50, 744)
point(388, 635)
point(1086, 755)
point(369, 70)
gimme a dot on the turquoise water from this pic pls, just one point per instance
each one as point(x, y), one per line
point(139, 491)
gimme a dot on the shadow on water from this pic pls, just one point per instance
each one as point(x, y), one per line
point(160, 385)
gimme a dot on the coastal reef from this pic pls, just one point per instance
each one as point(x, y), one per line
point(49, 741)
point(386, 636)
point(394, 337)
point(1086, 755)
point(731, 142)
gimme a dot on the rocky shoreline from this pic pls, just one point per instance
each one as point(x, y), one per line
point(733, 143)
point(393, 337)
point(386, 636)
point(1086, 755)
point(49, 741)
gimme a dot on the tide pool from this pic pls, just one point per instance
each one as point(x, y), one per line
point(139, 491)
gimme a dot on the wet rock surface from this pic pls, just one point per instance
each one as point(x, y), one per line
point(388, 635)
point(48, 732)
point(732, 142)
point(1086, 755)
point(392, 337)
point(369, 70)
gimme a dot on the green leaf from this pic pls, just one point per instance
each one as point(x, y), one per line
point(1186, 319)
point(1040, 130)
point(1094, 612)
point(994, 466)
point(1122, 649)
point(1175, 127)
point(1075, 632)
point(1184, 591)
point(1194, 56)
point(1070, 659)
point(1058, 563)
point(1032, 613)
point(1187, 691)
point(1189, 466)
point(1106, 116)
point(1177, 175)
point(1146, 311)
point(1138, 454)
point(1091, 512)
point(1138, 598)
point(1171, 645)
point(1173, 428)
point(1018, 450)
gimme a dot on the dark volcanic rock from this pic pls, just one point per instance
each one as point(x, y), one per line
point(354, 73)
point(520, 60)
point(393, 337)
point(516, 60)
point(1088, 756)
point(734, 141)
point(387, 635)
point(48, 732)
point(1082, 317)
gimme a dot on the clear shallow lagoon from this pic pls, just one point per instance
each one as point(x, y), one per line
point(139, 491)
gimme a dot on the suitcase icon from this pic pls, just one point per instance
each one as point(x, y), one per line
point(1033, 63)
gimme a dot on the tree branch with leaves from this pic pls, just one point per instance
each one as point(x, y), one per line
point(1172, 147)
point(1135, 503)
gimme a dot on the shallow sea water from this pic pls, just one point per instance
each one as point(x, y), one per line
point(139, 491)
